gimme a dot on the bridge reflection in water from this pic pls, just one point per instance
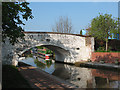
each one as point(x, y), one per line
point(80, 77)
point(110, 78)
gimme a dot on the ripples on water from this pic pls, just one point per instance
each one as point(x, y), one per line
point(80, 77)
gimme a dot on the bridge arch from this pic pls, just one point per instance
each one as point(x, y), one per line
point(61, 54)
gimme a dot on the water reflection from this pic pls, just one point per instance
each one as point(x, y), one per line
point(43, 65)
point(80, 77)
point(109, 79)
point(48, 67)
point(93, 78)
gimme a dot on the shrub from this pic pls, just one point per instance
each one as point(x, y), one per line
point(101, 49)
point(102, 61)
point(117, 61)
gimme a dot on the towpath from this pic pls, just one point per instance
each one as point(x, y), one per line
point(42, 80)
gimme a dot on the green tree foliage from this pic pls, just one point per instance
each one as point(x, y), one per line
point(80, 32)
point(103, 26)
point(12, 15)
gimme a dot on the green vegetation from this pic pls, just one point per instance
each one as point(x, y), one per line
point(117, 61)
point(102, 27)
point(49, 51)
point(11, 78)
point(12, 15)
point(114, 45)
point(80, 32)
point(40, 47)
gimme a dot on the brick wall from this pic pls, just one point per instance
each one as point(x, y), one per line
point(108, 57)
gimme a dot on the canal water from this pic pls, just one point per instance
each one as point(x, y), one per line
point(79, 76)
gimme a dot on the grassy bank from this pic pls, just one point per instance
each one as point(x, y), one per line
point(11, 78)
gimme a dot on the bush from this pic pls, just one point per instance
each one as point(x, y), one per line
point(117, 61)
point(109, 48)
point(102, 61)
point(113, 44)
point(100, 49)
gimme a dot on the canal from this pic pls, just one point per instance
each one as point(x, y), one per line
point(79, 76)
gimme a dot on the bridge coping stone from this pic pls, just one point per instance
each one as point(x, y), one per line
point(58, 33)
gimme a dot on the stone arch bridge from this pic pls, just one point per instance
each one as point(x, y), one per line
point(68, 48)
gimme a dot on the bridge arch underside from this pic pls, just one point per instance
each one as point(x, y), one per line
point(61, 54)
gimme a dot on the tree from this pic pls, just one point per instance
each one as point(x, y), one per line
point(12, 15)
point(80, 32)
point(103, 26)
point(64, 25)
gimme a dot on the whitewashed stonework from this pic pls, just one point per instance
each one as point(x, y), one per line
point(7, 52)
point(68, 48)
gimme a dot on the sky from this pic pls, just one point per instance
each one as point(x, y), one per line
point(73, 0)
point(80, 13)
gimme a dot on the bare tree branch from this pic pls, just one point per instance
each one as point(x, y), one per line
point(64, 25)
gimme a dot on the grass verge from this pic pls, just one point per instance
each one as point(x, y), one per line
point(11, 78)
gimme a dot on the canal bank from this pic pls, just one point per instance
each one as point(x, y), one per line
point(40, 79)
point(99, 65)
